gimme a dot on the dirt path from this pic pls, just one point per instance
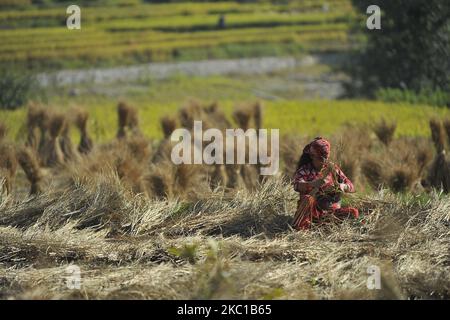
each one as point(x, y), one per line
point(324, 86)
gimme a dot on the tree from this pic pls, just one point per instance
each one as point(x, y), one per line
point(16, 87)
point(411, 50)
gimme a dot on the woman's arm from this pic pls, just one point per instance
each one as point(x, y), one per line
point(301, 183)
point(307, 186)
point(344, 183)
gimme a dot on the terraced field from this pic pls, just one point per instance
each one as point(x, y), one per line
point(139, 32)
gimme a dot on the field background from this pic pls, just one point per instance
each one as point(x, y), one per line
point(135, 32)
point(131, 32)
point(103, 213)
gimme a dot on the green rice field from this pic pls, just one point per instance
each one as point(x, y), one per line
point(136, 32)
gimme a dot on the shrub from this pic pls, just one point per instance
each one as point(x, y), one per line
point(409, 52)
point(15, 88)
point(14, 4)
point(437, 97)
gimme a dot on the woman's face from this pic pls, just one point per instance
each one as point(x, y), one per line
point(318, 162)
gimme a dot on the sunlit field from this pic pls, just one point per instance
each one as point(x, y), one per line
point(318, 117)
point(89, 180)
point(163, 32)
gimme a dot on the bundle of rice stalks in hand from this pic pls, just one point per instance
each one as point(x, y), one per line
point(30, 165)
point(8, 166)
point(81, 119)
point(52, 153)
point(439, 173)
point(385, 131)
point(330, 168)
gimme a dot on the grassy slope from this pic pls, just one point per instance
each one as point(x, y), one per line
point(112, 35)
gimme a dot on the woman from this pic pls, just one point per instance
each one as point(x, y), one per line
point(320, 184)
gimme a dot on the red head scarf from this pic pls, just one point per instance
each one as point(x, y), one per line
point(319, 147)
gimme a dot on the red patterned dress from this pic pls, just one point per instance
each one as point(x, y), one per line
point(326, 201)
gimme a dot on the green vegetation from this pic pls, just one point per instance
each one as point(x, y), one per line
point(16, 87)
point(79, 165)
point(137, 33)
point(306, 117)
point(435, 98)
point(410, 52)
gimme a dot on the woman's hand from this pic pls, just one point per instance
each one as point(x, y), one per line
point(317, 183)
point(343, 187)
point(305, 187)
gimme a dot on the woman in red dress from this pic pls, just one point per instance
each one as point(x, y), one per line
point(320, 184)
